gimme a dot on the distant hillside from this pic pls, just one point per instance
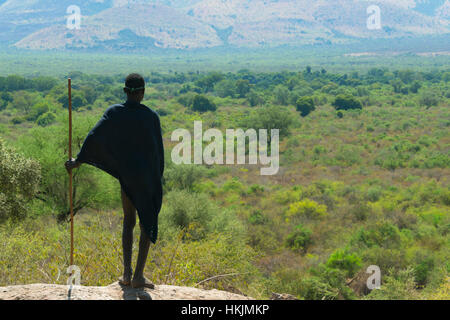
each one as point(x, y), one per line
point(141, 24)
point(20, 18)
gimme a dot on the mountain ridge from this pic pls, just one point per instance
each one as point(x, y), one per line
point(214, 23)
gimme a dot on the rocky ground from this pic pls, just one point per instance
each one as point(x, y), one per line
point(112, 292)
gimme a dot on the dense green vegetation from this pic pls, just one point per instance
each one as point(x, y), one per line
point(364, 180)
point(418, 53)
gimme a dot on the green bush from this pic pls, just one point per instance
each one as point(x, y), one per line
point(225, 88)
point(182, 176)
point(422, 271)
point(186, 99)
point(18, 120)
point(315, 288)
point(342, 260)
point(242, 88)
point(19, 180)
point(305, 105)
point(270, 117)
point(306, 208)
point(197, 216)
point(400, 286)
point(257, 218)
point(202, 104)
point(374, 193)
point(429, 99)
point(78, 100)
point(255, 189)
point(46, 119)
point(37, 110)
point(234, 186)
point(190, 212)
point(348, 155)
point(300, 239)
point(281, 95)
point(326, 284)
point(254, 98)
point(92, 187)
point(346, 102)
point(382, 234)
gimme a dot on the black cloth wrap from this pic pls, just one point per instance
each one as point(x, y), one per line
point(127, 143)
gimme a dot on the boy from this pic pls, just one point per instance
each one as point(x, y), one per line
point(127, 143)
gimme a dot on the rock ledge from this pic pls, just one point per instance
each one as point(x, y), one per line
point(112, 292)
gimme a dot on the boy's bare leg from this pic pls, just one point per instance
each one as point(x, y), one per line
point(129, 222)
point(139, 280)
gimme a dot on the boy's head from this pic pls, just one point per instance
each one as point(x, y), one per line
point(135, 87)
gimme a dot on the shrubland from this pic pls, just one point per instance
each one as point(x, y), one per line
point(363, 181)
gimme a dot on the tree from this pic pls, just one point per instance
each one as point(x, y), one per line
point(44, 83)
point(376, 73)
point(255, 98)
point(346, 102)
point(407, 76)
point(23, 100)
point(5, 98)
point(305, 105)
point(225, 88)
point(397, 84)
point(37, 110)
point(415, 86)
point(202, 103)
point(48, 145)
point(207, 83)
point(269, 118)
point(446, 77)
point(46, 119)
point(242, 87)
point(19, 180)
point(3, 104)
point(300, 239)
point(281, 95)
point(292, 83)
point(186, 99)
point(15, 82)
point(341, 259)
point(429, 99)
point(89, 93)
point(78, 100)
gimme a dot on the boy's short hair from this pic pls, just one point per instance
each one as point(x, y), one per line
point(134, 83)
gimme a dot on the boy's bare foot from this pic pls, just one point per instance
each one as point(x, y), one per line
point(126, 279)
point(142, 282)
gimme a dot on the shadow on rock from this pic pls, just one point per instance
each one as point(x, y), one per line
point(129, 293)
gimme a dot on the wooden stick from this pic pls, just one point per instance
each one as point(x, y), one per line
point(70, 172)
